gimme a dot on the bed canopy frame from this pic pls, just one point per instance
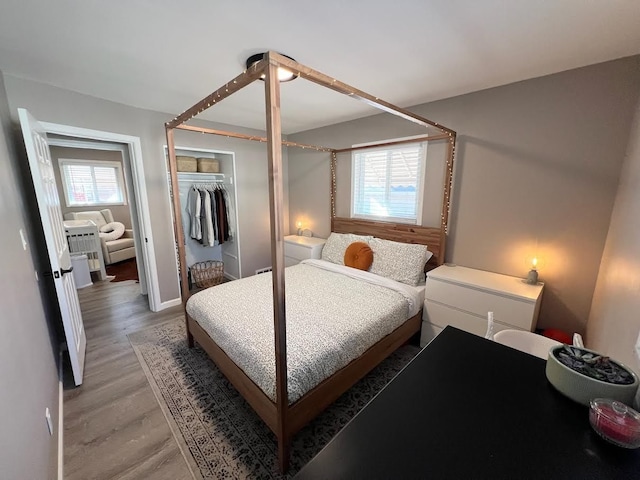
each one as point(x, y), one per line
point(284, 419)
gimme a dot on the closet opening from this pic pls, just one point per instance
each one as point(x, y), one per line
point(208, 177)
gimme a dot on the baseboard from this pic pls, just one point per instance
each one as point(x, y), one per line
point(60, 421)
point(169, 304)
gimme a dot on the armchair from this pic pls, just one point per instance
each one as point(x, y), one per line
point(112, 250)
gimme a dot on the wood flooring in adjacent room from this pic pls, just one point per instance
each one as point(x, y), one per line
point(113, 425)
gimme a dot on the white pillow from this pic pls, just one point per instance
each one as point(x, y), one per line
point(111, 231)
point(337, 243)
point(402, 262)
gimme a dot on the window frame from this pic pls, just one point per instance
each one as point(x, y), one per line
point(420, 180)
point(120, 181)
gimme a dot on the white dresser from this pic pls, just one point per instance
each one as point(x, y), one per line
point(298, 248)
point(462, 297)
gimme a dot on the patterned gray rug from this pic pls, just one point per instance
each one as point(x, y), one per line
point(217, 431)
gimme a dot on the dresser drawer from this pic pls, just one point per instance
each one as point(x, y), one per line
point(289, 261)
point(506, 310)
point(302, 252)
point(441, 315)
point(299, 252)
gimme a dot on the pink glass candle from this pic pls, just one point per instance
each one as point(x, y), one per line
point(616, 422)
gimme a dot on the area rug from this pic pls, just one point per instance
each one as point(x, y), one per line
point(218, 432)
point(122, 271)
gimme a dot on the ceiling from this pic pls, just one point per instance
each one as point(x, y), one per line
point(166, 55)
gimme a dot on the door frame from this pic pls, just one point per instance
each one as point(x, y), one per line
point(141, 200)
point(131, 196)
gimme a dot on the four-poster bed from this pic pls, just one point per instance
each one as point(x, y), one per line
point(282, 417)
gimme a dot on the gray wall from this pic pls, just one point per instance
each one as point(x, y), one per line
point(120, 212)
point(56, 105)
point(536, 173)
point(614, 323)
point(28, 356)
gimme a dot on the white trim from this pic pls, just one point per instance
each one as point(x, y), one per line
point(389, 140)
point(73, 143)
point(237, 212)
point(141, 198)
point(60, 418)
point(379, 218)
point(352, 190)
point(169, 303)
point(422, 181)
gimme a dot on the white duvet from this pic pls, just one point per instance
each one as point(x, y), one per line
point(334, 314)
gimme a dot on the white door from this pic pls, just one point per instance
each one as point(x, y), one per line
point(44, 183)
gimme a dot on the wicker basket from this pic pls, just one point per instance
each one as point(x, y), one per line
point(208, 165)
point(207, 274)
point(187, 164)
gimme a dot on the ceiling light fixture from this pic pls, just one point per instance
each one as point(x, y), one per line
point(284, 75)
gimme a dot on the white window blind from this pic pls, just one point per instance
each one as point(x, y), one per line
point(92, 182)
point(388, 183)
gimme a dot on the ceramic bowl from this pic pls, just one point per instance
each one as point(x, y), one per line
point(582, 388)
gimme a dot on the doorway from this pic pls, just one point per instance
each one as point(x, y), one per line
point(94, 183)
point(131, 151)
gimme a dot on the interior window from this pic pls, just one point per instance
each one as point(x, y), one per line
point(388, 183)
point(88, 182)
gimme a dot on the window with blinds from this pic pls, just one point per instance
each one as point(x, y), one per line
point(388, 183)
point(87, 183)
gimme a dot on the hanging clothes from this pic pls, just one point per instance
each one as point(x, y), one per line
point(208, 220)
point(210, 212)
point(193, 209)
point(214, 216)
point(230, 214)
point(203, 222)
point(221, 217)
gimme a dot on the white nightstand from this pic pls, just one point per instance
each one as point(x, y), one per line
point(462, 297)
point(298, 248)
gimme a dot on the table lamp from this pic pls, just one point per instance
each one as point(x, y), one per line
point(532, 276)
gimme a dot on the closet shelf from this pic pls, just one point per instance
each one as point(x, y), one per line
point(199, 176)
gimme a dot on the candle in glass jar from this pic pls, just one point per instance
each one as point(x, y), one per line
point(615, 422)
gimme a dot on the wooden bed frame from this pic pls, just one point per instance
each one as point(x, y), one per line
point(284, 419)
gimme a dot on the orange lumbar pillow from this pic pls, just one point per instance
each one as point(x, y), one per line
point(358, 255)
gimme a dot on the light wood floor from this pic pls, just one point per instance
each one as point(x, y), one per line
point(113, 425)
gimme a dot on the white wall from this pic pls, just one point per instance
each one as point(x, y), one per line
point(28, 352)
point(51, 104)
point(536, 172)
point(614, 322)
